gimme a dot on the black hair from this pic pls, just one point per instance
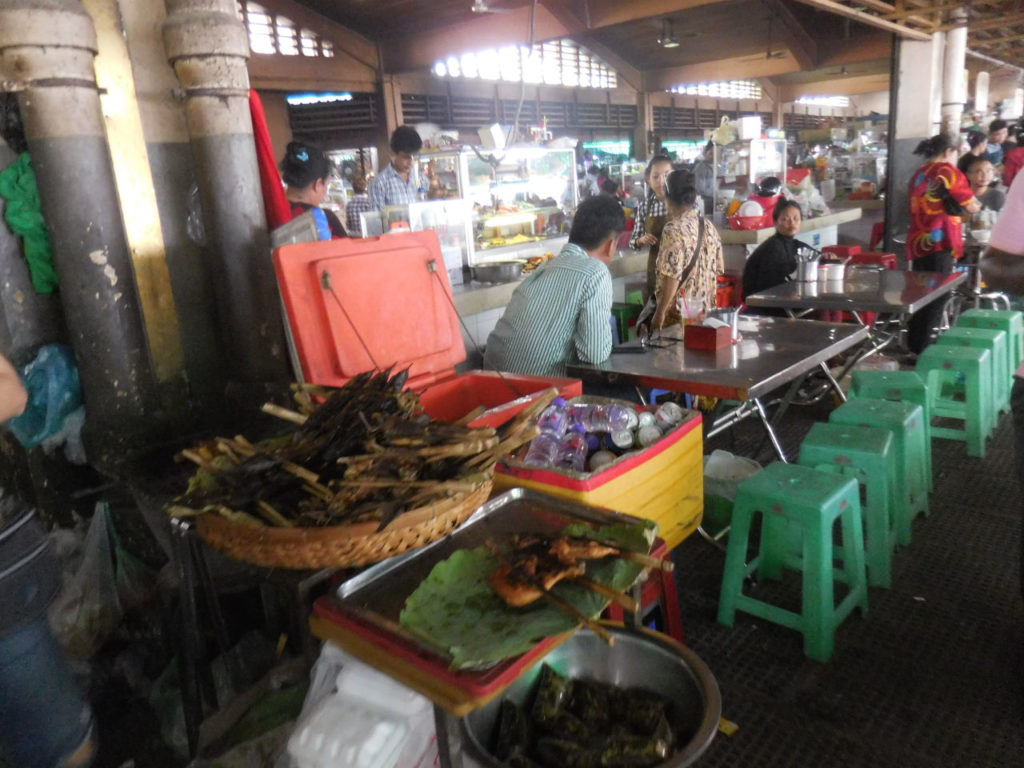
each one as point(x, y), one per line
point(935, 146)
point(974, 138)
point(594, 170)
point(680, 188)
point(781, 208)
point(303, 164)
point(406, 140)
point(610, 187)
point(709, 146)
point(996, 125)
point(597, 219)
point(359, 183)
point(976, 160)
point(654, 161)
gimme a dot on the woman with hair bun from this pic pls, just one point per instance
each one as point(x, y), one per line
point(305, 170)
point(690, 257)
point(939, 197)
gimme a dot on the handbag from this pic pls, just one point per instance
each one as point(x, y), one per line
point(647, 313)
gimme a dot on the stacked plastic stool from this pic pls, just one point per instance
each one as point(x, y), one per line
point(901, 386)
point(1010, 321)
point(994, 340)
point(790, 496)
point(864, 453)
point(906, 423)
point(944, 366)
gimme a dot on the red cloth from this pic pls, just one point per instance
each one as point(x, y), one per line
point(274, 200)
point(1012, 163)
point(931, 228)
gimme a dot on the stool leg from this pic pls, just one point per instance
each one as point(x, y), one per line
point(774, 546)
point(670, 606)
point(735, 563)
point(853, 560)
point(818, 595)
point(878, 520)
point(976, 424)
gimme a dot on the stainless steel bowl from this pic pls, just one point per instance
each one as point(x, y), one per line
point(639, 659)
point(498, 271)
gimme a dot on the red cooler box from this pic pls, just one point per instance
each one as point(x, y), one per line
point(356, 305)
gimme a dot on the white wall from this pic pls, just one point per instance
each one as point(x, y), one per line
point(863, 104)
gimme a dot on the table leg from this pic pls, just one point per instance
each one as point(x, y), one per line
point(189, 652)
point(769, 429)
point(449, 739)
point(831, 380)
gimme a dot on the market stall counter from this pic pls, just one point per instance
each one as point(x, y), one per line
point(770, 353)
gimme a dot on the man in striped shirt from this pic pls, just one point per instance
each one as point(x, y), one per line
point(562, 311)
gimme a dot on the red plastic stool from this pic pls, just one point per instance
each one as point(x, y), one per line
point(660, 587)
point(877, 234)
point(841, 251)
point(887, 260)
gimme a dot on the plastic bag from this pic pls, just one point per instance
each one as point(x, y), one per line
point(88, 608)
point(54, 392)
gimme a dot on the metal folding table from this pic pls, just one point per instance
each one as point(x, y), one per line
point(771, 353)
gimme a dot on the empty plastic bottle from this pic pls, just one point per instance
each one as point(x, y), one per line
point(601, 417)
point(555, 417)
point(573, 452)
point(543, 450)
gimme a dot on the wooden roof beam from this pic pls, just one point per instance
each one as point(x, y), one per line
point(996, 23)
point(869, 19)
point(887, 8)
point(983, 41)
point(608, 13)
point(795, 37)
point(899, 14)
point(847, 86)
point(736, 68)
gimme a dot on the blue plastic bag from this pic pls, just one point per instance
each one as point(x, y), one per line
point(54, 391)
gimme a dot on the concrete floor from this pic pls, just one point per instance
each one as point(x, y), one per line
point(931, 677)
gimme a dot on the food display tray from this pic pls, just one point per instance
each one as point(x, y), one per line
point(362, 615)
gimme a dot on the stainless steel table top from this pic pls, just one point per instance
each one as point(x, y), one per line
point(772, 351)
point(887, 291)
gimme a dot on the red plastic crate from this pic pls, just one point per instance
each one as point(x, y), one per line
point(343, 320)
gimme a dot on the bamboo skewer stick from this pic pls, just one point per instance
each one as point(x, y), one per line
point(475, 413)
point(619, 598)
point(573, 612)
point(283, 413)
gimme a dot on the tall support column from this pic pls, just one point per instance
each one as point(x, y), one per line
point(914, 91)
point(644, 127)
point(46, 56)
point(954, 80)
point(207, 45)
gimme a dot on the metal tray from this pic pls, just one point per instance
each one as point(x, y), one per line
point(383, 589)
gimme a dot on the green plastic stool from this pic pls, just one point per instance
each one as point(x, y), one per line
point(899, 385)
point(623, 313)
point(811, 501)
point(994, 340)
point(866, 454)
point(939, 365)
point(906, 423)
point(636, 297)
point(1012, 322)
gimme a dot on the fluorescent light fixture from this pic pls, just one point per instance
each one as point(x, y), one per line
point(317, 98)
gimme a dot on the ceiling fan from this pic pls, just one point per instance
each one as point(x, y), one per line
point(481, 6)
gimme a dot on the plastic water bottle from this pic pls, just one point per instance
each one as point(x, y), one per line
point(573, 452)
point(543, 450)
point(555, 417)
point(601, 417)
point(668, 415)
point(601, 459)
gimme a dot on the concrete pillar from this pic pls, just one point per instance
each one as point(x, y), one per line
point(915, 87)
point(644, 126)
point(954, 77)
point(46, 56)
point(207, 45)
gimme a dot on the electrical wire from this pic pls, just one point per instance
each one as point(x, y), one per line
point(514, 132)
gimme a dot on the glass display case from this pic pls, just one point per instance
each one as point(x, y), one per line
point(520, 198)
point(742, 164)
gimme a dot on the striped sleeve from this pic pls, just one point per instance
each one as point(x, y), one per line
point(593, 337)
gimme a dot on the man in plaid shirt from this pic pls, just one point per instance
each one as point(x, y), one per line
point(396, 184)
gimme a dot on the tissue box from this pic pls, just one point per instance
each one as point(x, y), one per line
point(702, 337)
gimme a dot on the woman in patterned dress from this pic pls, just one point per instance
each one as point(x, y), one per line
point(690, 256)
point(935, 240)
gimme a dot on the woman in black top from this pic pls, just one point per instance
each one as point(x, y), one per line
point(306, 170)
point(775, 259)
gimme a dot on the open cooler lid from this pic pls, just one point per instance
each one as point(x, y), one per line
point(355, 305)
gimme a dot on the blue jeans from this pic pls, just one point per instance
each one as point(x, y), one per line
point(43, 716)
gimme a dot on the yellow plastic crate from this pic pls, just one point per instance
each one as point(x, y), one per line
point(664, 482)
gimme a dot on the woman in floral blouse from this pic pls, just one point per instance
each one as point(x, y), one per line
point(690, 257)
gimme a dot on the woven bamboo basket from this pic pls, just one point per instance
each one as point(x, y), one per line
point(340, 546)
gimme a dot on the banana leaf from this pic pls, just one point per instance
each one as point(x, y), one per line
point(455, 608)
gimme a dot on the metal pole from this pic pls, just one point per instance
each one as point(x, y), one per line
point(208, 47)
point(46, 56)
point(954, 80)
